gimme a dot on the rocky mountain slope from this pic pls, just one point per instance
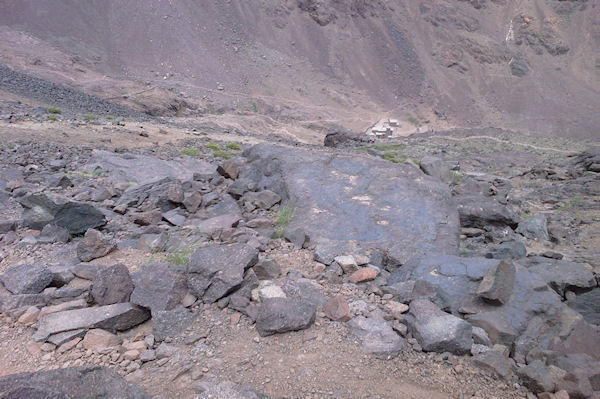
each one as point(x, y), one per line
point(529, 66)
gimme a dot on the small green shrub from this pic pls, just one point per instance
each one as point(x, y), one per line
point(413, 120)
point(222, 154)
point(52, 118)
point(191, 152)
point(234, 146)
point(110, 117)
point(395, 157)
point(571, 204)
point(54, 110)
point(456, 177)
point(89, 117)
point(213, 146)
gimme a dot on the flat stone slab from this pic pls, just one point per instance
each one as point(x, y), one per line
point(117, 317)
point(346, 203)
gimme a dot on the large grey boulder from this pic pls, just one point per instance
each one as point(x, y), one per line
point(507, 250)
point(353, 203)
point(377, 337)
point(112, 285)
point(279, 315)
point(535, 227)
point(216, 271)
point(117, 317)
point(26, 279)
point(88, 382)
point(437, 331)
point(76, 217)
point(143, 169)
point(561, 275)
point(159, 286)
point(480, 211)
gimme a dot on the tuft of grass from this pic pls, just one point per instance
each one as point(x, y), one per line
point(233, 146)
point(395, 157)
point(222, 154)
point(571, 204)
point(388, 147)
point(283, 217)
point(52, 118)
point(54, 110)
point(213, 146)
point(192, 152)
point(89, 117)
point(110, 117)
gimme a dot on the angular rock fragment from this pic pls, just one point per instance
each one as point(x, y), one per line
point(337, 309)
point(26, 279)
point(159, 286)
point(93, 245)
point(279, 315)
point(112, 284)
point(377, 337)
point(497, 284)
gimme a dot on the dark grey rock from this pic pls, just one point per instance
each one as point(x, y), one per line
point(152, 242)
point(170, 323)
point(159, 286)
point(496, 324)
point(497, 284)
point(437, 331)
point(296, 237)
point(479, 211)
point(518, 66)
point(264, 199)
point(536, 377)
point(436, 168)
point(60, 338)
point(216, 271)
point(588, 305)
point(535, 227)
point(377, 337)
point(117, 317)
point(507, 250)
point(174, 217)
point(583, 363)
point(342, 218)
point(267, 269)
point(279, 315)
point(26, 279)
point(560, 275)
point(87, 382)
point(480, 337)
point(52, 233)
point(231, 168)
point(7, 226)
point(112, 285)
point(86, 271)
point(306, 290)
point(93, 245)
point(77, 218)
point(495, 362)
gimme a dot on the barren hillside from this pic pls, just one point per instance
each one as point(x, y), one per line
point(530, 66)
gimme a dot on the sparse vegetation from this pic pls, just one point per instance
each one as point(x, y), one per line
point(52, 118)
point(395, 157)
point(456, 177)
point(54, 110)
point(388, 147)
point(213, 146)
point(233, 146)
point(222, 154)
point(573, 203)
point(191, 152)
point(181, 256)
point(110, 117)
point(283, 217)
point(413, 120)
point(89, 117)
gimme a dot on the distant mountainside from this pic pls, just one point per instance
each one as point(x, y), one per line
point(525, 65)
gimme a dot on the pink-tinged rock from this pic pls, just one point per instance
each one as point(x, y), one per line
point(363, 274)
point(337, 309)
